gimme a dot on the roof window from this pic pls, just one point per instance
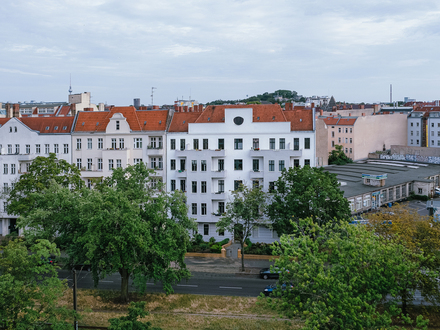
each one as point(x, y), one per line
point(47, 128)
point(83, 123)
point(160, 122)
point(145, 122)
point(55, 128)
point(64, 127)
point(273, 117)
point(258, 118)
point(97, 123)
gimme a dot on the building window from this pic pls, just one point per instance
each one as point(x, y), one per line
point(333, 134)
point(5, 188)
point(438, 133)
point(333, 144)
point(420, 190)
point(100, 143)
point(417, 142)
point(296, 144)
point(238, 144)
point(221, 232)
point(9, 149)
point(296, 162)
point(417, 133)
point(28, 165)
point(182, 165)
point(281, 165)
point(196, 144)
point(351, 150)
point(272, 143)
point(221, 207)
point(237, 184)
point(183, 185)
point(438, 142)
point(306, 162)
point(194, 187)
point(194, 208)
point(256, 143)
point(173, 164)
point(203, 209)
point(282, 143)
point(206, 229)
point(412, 124)
point(182, 144)
point(194, 165)
point(78, 163)
point(346, 140)
point(339, 140)
point(66, 148)
point(28, 148)
point(156, 163)
point(221, 144)
point(156, 142)
point(78, 144)
point(432, 124)
point(121, 143)
point(137, 143)
point(114, 143)
point(137, 161)
point(412, 133)
point(221, 164)
point(46, 149)
point(221, 186)
point(271, 186)
point(413, 140)
point(89, 143)
point(12, 168)
point(173, 144)
point(118, 163)
point(346, 130)
point(173, 185)
point(89, 164)
point(56, 148)
point(117, 125)
point(351, 140)
point(339, 129)
point(110, 164)
point(203, 187)
point(238, 164)
point(203, 165)
point(205, 144)
point(37, 149)
point(432, 142)
point(255, 183)
point(17, 149)
point(271, 165)
point(100, 164)
point(346, 150)
point(5, 168)
point(256, 165)
point(307, 143)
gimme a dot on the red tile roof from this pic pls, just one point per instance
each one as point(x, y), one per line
point(300, 120)
point(139, 120)
point(340, 121)
point(180, 121)
point(64, 111)
point(347, 121)
point(3, 121)
point(49, 124)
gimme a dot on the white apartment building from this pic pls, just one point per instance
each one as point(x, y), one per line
point(210, 153)
point(21, 141)
point(103, 140)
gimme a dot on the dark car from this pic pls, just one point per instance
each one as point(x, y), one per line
point(267, 273)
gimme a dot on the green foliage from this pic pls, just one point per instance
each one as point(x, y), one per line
point(225, 241)
point(243, 214)
point(302, 192)
point(413, 195)
point(259, 248)
point(42, 172)
point(265, 97)
point(135, 310)
point(338, 157)
point(29, 288)
point(340, 275)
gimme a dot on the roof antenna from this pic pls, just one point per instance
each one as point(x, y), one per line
point(70, 88)
point(152, 92)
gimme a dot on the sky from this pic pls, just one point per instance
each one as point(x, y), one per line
point(224, 49)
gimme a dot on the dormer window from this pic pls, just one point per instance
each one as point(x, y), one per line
point(47, 128)
point(64, 127)
point(117, 125)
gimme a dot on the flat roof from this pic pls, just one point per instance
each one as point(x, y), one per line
point(398, 172)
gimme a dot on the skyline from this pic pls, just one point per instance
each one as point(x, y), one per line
point(223, 50)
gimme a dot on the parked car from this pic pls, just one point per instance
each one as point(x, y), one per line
point(272, 287)
point(266, 273)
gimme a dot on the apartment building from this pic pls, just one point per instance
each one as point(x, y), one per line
point(211, 152)
point(360, 135)
point(424, 126)
point(104, 140)
point(21, 141)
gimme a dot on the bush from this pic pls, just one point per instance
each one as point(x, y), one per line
point(216, 248)
point(225, 241)
point(212, 240)
point(412, 196)
point(259, 248)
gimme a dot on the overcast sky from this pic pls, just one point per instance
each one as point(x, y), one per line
point(222, 49)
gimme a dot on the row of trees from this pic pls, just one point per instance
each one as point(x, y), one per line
point(126, 224)
point(290, 96)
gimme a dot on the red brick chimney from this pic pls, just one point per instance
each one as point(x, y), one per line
point(185, 108)
point(73, 109)
point(321, 112)
point(156, 107)
point(88, 109)
point(8, 110)
point(16, 110)
point(176, 107)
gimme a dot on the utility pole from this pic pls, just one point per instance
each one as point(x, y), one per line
point(152, 93)
point(75, 322)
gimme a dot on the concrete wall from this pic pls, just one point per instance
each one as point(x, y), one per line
point(322, 148)
point(414, 154)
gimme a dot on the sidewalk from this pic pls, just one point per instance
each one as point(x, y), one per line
point(224, 265)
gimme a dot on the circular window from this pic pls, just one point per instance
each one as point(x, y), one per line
point(238, 120)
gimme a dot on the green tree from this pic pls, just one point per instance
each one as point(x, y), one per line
point(30, 288)
point(130, 322)
point(340, 276)
point(42, 171)
point(417, 233)
point(338, 157)
point(303, 192)
point(243, 214)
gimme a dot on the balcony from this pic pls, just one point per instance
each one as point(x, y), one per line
point(181, 173)
point(256, 174)
point(218, 174)
point(201, 153)
point(274, 152)
point(151, 151)
point(25, 157)
point(218, 195)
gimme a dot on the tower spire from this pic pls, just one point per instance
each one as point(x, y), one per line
point(70, 87)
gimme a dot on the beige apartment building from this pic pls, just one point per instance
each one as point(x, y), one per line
point(360, 135)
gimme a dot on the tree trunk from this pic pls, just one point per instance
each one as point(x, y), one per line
point(124, 284)
point(242, 256)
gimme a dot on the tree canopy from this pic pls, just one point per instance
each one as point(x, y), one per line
point(303, 192)
point(340, 275)
point(243, 213)
point(29, 288)
point(338, 157)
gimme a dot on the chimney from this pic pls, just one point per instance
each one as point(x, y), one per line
point(101, 107)
point(321, 112)
point(73, 109)
point(312, 105)
point(363, 114)
point(185, 108)
point(362, 106)
point(156, 107)
point(8, 110)
point(16, 110)
point(176, 107)
point(88, 109)
point(180, 109)
point(349, 114)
